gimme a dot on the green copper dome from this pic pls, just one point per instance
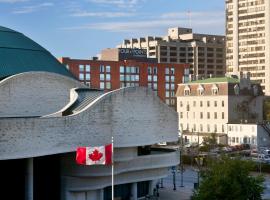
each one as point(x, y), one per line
point(19, 53)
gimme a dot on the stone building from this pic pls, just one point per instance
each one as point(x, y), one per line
point(208, 106)
point(45, 114)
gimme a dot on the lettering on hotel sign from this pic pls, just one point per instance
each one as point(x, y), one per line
point(126, 53)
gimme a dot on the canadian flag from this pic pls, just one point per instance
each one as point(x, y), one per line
point(94, 155)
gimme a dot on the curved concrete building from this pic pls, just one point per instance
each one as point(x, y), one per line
point(45, 116)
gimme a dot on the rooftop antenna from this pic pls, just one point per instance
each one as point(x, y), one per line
point(189, 18)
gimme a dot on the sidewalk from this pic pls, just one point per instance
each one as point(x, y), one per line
point(183, 193)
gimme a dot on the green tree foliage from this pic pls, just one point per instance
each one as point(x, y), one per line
point(229, 179)
point(266, 110)
point(209, 142)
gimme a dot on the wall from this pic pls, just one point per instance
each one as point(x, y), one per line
point(34, 94)
point(134, 116)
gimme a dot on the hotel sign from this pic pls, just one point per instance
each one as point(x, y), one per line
point(129, 54)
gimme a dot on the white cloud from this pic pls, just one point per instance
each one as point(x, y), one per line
point(193, 15)
point(102, 14)
point(33, 8)
point(200, 21)
point(118, 3)
point(147, 26)
point(12, 1)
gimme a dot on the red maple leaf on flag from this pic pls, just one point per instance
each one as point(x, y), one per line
point(95, 155)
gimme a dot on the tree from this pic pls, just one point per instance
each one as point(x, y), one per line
point(209, 142)
point(229, 179)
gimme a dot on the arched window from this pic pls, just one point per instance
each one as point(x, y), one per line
point(200, 90)
point(214, 89)
point(186, 90)
point(236, 89)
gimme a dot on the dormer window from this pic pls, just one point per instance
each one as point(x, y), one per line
point(236, 89)
point(255, 90)
point(214, 89)
point(200, 90)
point(187, 91)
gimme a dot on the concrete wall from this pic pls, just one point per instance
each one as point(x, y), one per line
point(134, 116)
point(34, 94)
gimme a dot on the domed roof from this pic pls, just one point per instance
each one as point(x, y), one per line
point(19, 53)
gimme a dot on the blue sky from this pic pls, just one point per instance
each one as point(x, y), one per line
point(81, 28)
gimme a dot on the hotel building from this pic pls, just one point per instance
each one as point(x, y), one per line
point(205, 53)
point(248, 39)
point(117, 72)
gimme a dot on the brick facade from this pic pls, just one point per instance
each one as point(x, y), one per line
point(147, 74)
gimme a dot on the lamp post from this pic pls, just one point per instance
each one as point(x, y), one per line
point(173, 172)
point(181, 158)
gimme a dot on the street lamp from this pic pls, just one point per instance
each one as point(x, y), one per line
point(181, 158)
point(173, 172)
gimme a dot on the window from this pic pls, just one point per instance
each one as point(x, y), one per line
point(223, 128)
point(222, 115)
point(81, 76)
point(122, 69)
point(186, 91)
point(167, 94)
point(201, 128)
point(214, 89)
point(155, 78)
point(155, 86)
point(194, 127)
point(208, 115)
point(108, 69)
point(149, 78)
point(108, 85)
point(87, 77)
point(149, 70)
point(81, 68)
point(215, 103)
point(200, 90)
point(87, 68)
point(101, 85)
point(122, 77)
point(215, 128)
point(208, 128)
point(167, 78)
point(181, 115)
point(236, 89)
point(222, 103)
point(215, 115)
point(201, 104)
point(172, 70)
point(172, 86)
point(208, 103)
point(155, 70)
point(201, 115)
point(101, 68)
point(172, 78)
point(181, 104)
point(101, 77)
point(108, 77)
point(167, 71)
point(194, 103)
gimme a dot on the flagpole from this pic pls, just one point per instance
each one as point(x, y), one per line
point(112, 171)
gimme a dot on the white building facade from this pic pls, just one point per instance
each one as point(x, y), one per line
point(207, 106)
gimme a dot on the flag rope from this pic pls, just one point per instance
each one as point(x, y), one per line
point(112, 170)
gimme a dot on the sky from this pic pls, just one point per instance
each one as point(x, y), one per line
point(82, 28)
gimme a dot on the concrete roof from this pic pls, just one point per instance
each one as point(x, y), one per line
point(134, 116)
